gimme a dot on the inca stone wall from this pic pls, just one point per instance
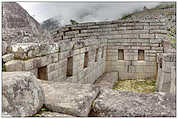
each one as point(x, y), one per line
point(97, 53)
point(50, 61)
point(127, 40)
point(127, 47)
point(166, 79)
point(140, 42)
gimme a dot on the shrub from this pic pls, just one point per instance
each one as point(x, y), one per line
point(73, 22)
point(172, 36)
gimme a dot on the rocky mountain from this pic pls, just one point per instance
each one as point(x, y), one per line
point(50, 24)
point(19, 27)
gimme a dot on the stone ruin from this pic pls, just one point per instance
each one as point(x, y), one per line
point(69, 69)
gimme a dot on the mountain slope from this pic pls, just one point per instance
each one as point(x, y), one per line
point(18, 26)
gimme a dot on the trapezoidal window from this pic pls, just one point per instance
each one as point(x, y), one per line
point(69, 66)
point(42, 73)
point(120, 54)
point(79, 30)
point(102, 52)
point(86, 60)
point(140, 54)
point(96, 55)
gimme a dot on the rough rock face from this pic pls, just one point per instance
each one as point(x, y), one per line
point(21, 94)
point(14, 16)
point(115, 103)
point(166, 77)
point(69, 98)
point(19, 27)
point(8, 57)
point(17, 24)
point(31, 50)
point(107, 80)
point(4, 47)
point(53, 114)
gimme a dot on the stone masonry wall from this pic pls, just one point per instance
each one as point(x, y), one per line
point(166, 79)
point(49, 61)
point(131, 37)
point(127, 35)
point(127, 47)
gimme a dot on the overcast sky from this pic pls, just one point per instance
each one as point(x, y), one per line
point(82, 11)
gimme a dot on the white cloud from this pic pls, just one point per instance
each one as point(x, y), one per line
point(82, 11)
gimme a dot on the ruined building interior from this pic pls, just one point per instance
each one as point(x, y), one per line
point(71, 71)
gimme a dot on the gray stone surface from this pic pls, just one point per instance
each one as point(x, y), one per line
point(4, 47)
point(69, 98)
point(115, 103)
point(14, 65)
point(166, 73)
point(5, 114)
point(107, 80)
point(8, 57)
point(31, 50)
point(21, 94)
point(173, 80)
point(53, 114)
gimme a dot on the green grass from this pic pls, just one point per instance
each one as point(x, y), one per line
point(36, 115)
point(146, 85)
point(172, 36)
point(43, 109)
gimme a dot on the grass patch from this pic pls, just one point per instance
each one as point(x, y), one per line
point(38, 114)
point(44, 109)
point(145, 85)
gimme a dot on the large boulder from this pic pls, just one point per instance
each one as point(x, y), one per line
point(21, 94)
point(69, 98)
point(8, 57)
point(26, 51)
point(107, 80)
point(115, 103)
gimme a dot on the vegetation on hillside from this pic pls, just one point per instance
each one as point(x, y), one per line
point(161, 6)
point(73, 22)
point(165, 6)
point(172, 36)
point(128, 15)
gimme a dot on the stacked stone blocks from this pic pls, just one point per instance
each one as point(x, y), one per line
point(74, 40)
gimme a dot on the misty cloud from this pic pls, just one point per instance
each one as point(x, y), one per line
point(82, 11)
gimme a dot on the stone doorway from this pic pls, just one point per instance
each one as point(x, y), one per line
point(42, 73)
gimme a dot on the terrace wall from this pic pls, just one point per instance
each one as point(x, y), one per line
point(127, 47)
